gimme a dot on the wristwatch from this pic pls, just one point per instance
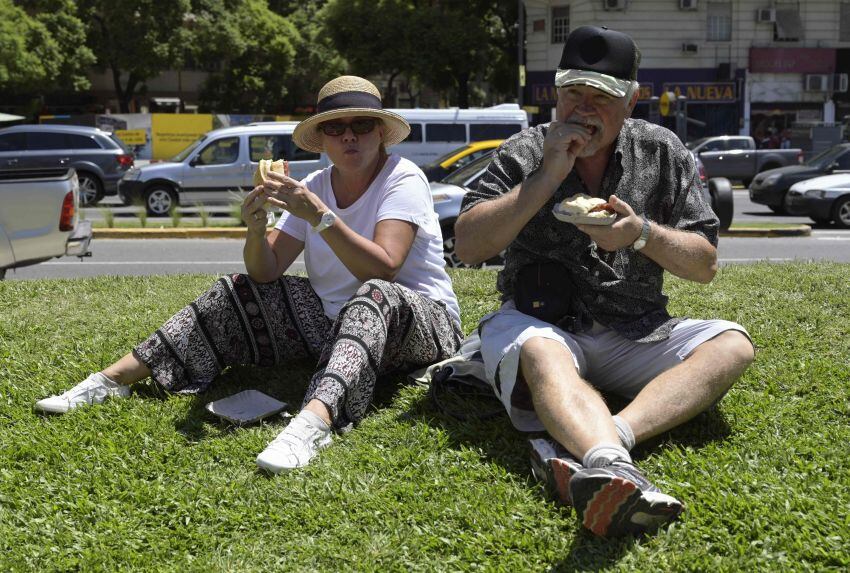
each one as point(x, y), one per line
point(327, 220)
point(644, 235)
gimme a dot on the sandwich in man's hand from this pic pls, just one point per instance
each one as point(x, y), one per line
point(582, 204)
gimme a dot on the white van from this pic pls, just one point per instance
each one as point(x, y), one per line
point(220, 163)
point(435, 132)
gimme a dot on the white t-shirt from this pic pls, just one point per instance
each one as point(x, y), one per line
point(400, 191)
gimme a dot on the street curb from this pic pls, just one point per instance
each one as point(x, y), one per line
point(182, 233)
point(789, 231)
point(239, 232)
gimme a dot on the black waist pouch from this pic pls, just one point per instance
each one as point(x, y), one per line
point(547, 292)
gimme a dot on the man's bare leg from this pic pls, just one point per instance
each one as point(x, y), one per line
point(571, 410)
point(689, 388)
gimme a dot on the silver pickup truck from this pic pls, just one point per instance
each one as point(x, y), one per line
point(736, 157)
point(39, 217)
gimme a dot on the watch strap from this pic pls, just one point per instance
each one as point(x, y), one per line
point(327, 220)
point(644, 236)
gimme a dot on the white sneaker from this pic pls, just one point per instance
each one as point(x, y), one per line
point(296, 445)
point(93, 390)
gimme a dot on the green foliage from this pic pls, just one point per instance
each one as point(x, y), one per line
point(445, 45)
point(135, 40)
point(40, 48)
point(154, 483)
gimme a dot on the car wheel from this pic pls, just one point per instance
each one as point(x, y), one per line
point(159, 200)
point(841, 213)
point(91, 189)
point(819, 221)
point(2, 274)
point(722, 200)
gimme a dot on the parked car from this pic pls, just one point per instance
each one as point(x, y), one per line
point(99, 158)
point(769, 188)
point(824, 199)
point(39, 217)
point(435, 132)
point(447, 196)
point(736, 157)
point(458, 157)
point(217, 165)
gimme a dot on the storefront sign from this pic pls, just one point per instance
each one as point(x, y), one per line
point(704, 92)
point(792, 60)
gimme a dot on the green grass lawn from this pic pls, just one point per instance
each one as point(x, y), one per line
point(154, 483)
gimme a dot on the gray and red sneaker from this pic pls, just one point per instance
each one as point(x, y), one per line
point(553, 465)
point(617, 500)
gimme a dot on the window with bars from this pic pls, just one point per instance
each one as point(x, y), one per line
point(844, 26)
point(719, 22)
point(560, 24)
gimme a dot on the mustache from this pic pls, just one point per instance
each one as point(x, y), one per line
point(587, 122)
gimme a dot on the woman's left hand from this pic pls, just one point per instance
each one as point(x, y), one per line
point(292, 195)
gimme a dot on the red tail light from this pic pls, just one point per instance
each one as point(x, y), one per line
point(125, 160)
point(66, 219)
point(701, 169)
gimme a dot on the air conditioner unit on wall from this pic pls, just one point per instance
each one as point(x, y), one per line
point(611, 5)
point(766, 15)
point(690, 48)
point(688, 5)
point(818, 82)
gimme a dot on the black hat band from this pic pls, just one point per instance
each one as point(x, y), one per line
point(343, 100)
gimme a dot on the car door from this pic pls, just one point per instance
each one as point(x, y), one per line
point(215, 171)
point(12, 145)
point(46, 150)
point(712, 155)
point(740, 159)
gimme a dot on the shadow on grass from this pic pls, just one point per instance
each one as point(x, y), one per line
point(499, 442)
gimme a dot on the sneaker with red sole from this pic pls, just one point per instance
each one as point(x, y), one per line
point(553, 465)
point(617, 500)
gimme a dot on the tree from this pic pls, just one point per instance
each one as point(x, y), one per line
point(136, 39)
point(256, 72)
point(317, 60)
point(444, 44)
point(40, 50)
point(378, 37)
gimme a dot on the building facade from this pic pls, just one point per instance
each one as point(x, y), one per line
point(766, 68)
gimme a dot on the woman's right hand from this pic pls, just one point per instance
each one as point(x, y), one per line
point(253, 213)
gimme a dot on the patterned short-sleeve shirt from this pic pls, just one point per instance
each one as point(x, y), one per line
point(650, 170)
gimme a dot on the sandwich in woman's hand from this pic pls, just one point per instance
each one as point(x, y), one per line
point(267, 165)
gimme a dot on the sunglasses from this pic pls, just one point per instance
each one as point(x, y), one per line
point(360, 126)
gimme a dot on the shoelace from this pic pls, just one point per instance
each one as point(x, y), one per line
point(632, 473)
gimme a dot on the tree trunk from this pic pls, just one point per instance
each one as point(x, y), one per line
point(124, 94)
point(463, 90)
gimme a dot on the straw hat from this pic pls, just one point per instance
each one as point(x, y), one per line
point(349, 96)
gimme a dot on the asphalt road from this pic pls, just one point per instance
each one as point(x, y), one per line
point(221, 256)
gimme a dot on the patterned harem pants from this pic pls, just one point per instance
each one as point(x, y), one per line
point(383, 328)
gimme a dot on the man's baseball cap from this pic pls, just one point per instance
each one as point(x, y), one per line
point(598, 57)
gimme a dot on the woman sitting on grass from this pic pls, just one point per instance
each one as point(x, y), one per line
point(377, 298)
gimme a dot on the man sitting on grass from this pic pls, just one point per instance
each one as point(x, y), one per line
point(583, 309)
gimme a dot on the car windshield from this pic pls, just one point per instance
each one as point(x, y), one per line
point(463, 174)
point(825, 158)
point(442, 158)
point(697, 143)
point(185, 153)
